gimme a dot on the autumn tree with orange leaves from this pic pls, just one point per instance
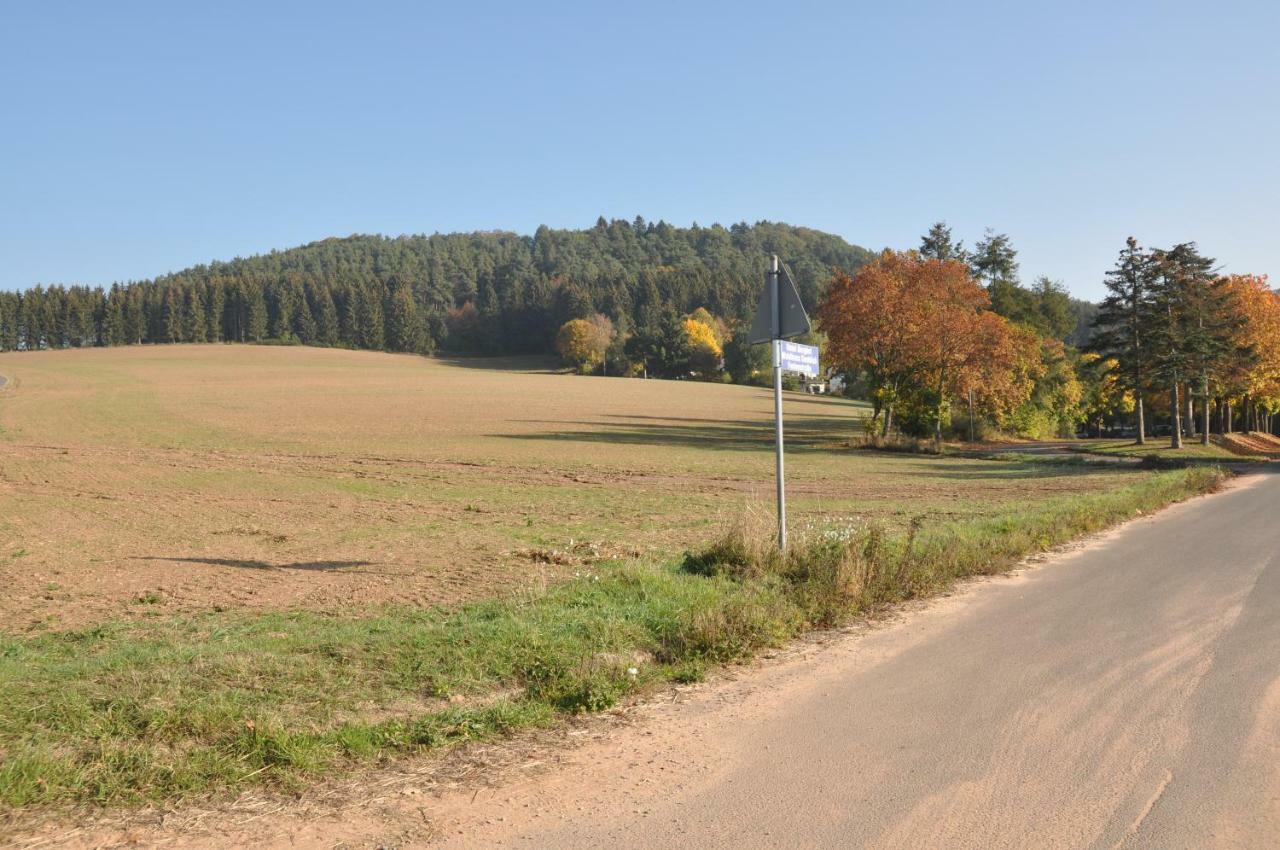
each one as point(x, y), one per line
point(1251, 373)
point(919, 328)
point(872, 324)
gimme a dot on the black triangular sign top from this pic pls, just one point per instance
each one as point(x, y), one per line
point(792, 319)
point(762, 325)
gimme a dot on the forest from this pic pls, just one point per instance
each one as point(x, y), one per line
point(485, 293)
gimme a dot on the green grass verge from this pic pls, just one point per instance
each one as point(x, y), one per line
point(169, 708)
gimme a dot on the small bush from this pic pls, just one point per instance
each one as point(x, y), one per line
point(738, 553)
point(733, 628)
point(897, 443)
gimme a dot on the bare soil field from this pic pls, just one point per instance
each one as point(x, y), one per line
point(144, 481)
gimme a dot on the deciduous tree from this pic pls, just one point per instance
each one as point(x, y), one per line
point(582, 344)
point(705, 352)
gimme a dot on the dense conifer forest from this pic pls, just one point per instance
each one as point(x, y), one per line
point(474, 293)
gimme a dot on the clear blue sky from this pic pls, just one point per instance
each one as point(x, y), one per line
point(138, 138)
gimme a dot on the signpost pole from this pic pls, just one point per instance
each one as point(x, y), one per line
point(775, 303)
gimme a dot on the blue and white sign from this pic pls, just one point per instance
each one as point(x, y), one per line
point(794, 357)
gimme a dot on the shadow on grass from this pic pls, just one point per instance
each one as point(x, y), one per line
point(321, 566)
point(538, 364)
point(803, 434)
point(843, 420)
point(1011, 469)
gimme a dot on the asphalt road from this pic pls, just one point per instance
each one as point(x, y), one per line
point(1127, 695)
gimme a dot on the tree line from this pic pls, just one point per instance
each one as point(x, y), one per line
point(938, 329)
point(942, 328)
point(487, 293)
point(1202, 346)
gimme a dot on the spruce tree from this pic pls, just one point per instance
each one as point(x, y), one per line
point(369, 315)
point(326, 315)
point(215, 307)
point(404, 328)
point(1187, 333)
point(193, 320)
point(113, 321)
point(937, 244)
point(135, 319)
point(284, 308)
point(256, 314)
point(304, 322)
point(173, 307)
point(8, 321)
point(994, 259)
point(1123, 324)
point(32, 319)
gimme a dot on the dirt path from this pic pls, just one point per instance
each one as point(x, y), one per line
point(1128, 696)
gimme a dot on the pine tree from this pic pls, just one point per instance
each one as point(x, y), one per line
point(215, 308)
point(54, 317)
point(994, 259)
point(1122, 325)
point(369, 317)
point(284, 308)
point(304, 322)
point(256, 314)
point(135, 319)
point(348, 317)
point(9, 307)
point(404, 328)
point(77, 310)
point(32, 318)
point(326, 315)
point(193, 320)
point(1188, 337)
point(173, 314)
point(113, 332)
point(938, 245)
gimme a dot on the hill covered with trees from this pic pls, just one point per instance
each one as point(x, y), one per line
point(473, 293)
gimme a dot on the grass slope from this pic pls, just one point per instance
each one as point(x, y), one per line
point(150, 481)
point(165, 708)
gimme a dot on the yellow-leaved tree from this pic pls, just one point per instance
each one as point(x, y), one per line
point(582, 343)
point(705, 353)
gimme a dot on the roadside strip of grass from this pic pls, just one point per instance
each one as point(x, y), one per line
point(159, 710)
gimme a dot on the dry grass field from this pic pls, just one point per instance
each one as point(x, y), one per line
point(227, 567)
point(144, 481)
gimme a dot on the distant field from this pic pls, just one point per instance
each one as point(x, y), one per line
point(148, 480)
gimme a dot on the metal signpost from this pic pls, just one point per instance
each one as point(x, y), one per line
point(779, 316)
